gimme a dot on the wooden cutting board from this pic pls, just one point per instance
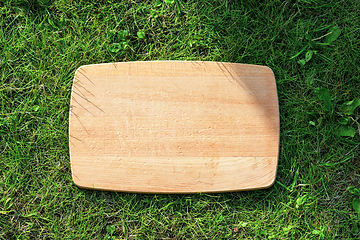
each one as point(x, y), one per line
point(174, 127)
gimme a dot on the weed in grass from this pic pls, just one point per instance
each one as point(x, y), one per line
point(345, 111)
point(332, 34)
point(141, 34)
point(356, 206)
point(110, 229)
point(123, 44)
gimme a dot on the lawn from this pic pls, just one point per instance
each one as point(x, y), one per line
point(313, 47)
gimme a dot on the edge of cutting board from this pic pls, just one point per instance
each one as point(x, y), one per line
point(87, 186)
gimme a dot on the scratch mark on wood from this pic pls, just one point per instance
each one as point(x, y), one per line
point(233, 78)
point(76, 138)
point(77, 117)
point(85, 76)
point(89, 101)
point(82, 106)
point(78, 91)
point(78, 83)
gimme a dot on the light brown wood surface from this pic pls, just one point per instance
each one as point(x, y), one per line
point(174, 127)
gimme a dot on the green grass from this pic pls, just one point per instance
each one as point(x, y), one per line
point(43, 42)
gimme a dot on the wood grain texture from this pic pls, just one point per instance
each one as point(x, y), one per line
point(174, 127)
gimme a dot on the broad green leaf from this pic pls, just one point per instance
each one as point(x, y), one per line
point(324, 95)
point(36, 108)
point(335, 33)
point(141, 34)
point(302, 62)
point(158, 3)
point(309, 55)
point(307, 36)
point(300, 201)
point(354, 190)
point(319, 232)
point(263, 232)
point(287, 229)
point(355, 229)
point(112, 32)
point(110, 229)
point(62, 19)
point(344, 121)
point(115, 47)
point(347, 131)
point(312, 44)
point(125, 44)
point(349, 107)
point(242, 224)
point(169, 1)
point(356, 205)
point(123, 34)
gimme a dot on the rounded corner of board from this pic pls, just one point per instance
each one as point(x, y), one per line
point(270, 184)
point(270, 71)
point(80, 68)
point(78, 183)
point(271, 180)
